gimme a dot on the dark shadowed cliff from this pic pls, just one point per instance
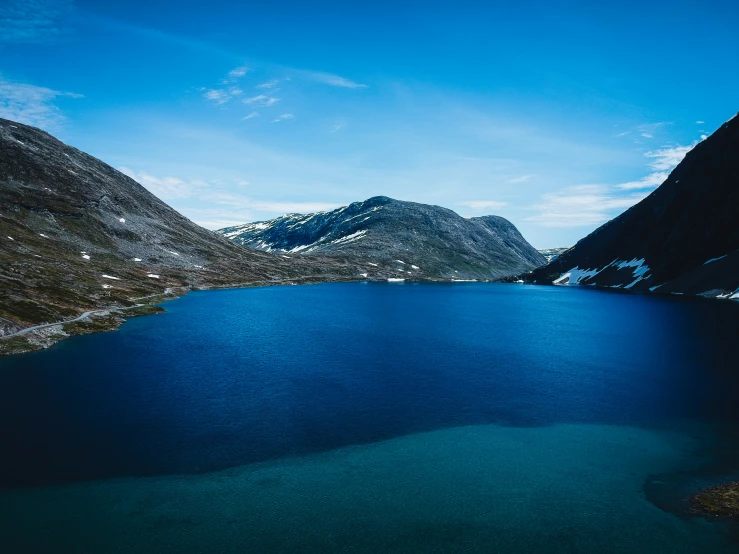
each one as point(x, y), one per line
point(682, 239)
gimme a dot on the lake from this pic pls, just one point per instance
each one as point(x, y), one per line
point(399, 417)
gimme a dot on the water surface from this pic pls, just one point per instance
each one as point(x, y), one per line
point(377, 417)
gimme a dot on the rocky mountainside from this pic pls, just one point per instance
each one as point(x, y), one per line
point(551, 253)
point(682, 239)
point(396, 239)
point(77, 235)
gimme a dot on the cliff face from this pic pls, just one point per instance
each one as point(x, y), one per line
point(399, 239)
point(682, 239)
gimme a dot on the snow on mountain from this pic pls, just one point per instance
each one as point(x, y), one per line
point(434, 242)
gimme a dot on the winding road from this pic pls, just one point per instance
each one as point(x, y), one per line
point(84, 315)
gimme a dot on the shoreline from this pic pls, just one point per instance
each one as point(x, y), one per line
point(45, 335)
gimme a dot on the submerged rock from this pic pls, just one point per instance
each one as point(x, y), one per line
point(721, 500)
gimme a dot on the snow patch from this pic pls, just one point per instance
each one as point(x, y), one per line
point(42, 235)
point(372, 264)
point(107, 286)
point(152, 275)
point(349, 238)
point(575, 275)
point(137, 259)
point(111, 277)
point(363, 274)
point(11, 238)
point(86, 256)
point(715, 259)
point(415, 267)
point(400, 261)
point(640, 270)
point(122, 220)
point(395, 280)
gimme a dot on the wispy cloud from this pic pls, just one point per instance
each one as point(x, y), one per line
point(645, 130)
point(236, 74)
point(338, 125)
point(31, 104)
point(283, 117)
point(166, 188)
point(521, 179)
point(269, 206)
point(583, 205)
point(700, 122)
point(29, 21)
point(588, 205)
point(483, 204)
point(667, 158)
point(330, 79)
point(252, 115)
point(269, 84)
point(261, 100)
point(663, 161)
point(216, 208)
point(651, 181)
point(223, 95)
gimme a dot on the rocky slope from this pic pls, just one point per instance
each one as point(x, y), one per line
point(551, 253)
point(398, 239)
point(77, 235)
point(682, 239)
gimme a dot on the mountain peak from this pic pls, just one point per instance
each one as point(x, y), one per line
point(404, 239)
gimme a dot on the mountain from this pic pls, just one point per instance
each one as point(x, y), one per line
point(398, 239)
point(77, 235)
point(682, 239)
point(551, 253)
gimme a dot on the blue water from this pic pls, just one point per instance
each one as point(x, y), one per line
point(562, 383)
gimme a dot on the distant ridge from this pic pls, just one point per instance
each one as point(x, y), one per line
point(682, 239)
point(551, 253)
point(403, 239)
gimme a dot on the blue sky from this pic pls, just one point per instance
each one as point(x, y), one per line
point(555, 115)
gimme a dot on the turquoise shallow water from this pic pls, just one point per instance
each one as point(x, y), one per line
point(377, 418)
point(561, 488)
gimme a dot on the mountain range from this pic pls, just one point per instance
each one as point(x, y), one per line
point(395, 239)
point(77, 235)
point(82, 246)
point(682, 239)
